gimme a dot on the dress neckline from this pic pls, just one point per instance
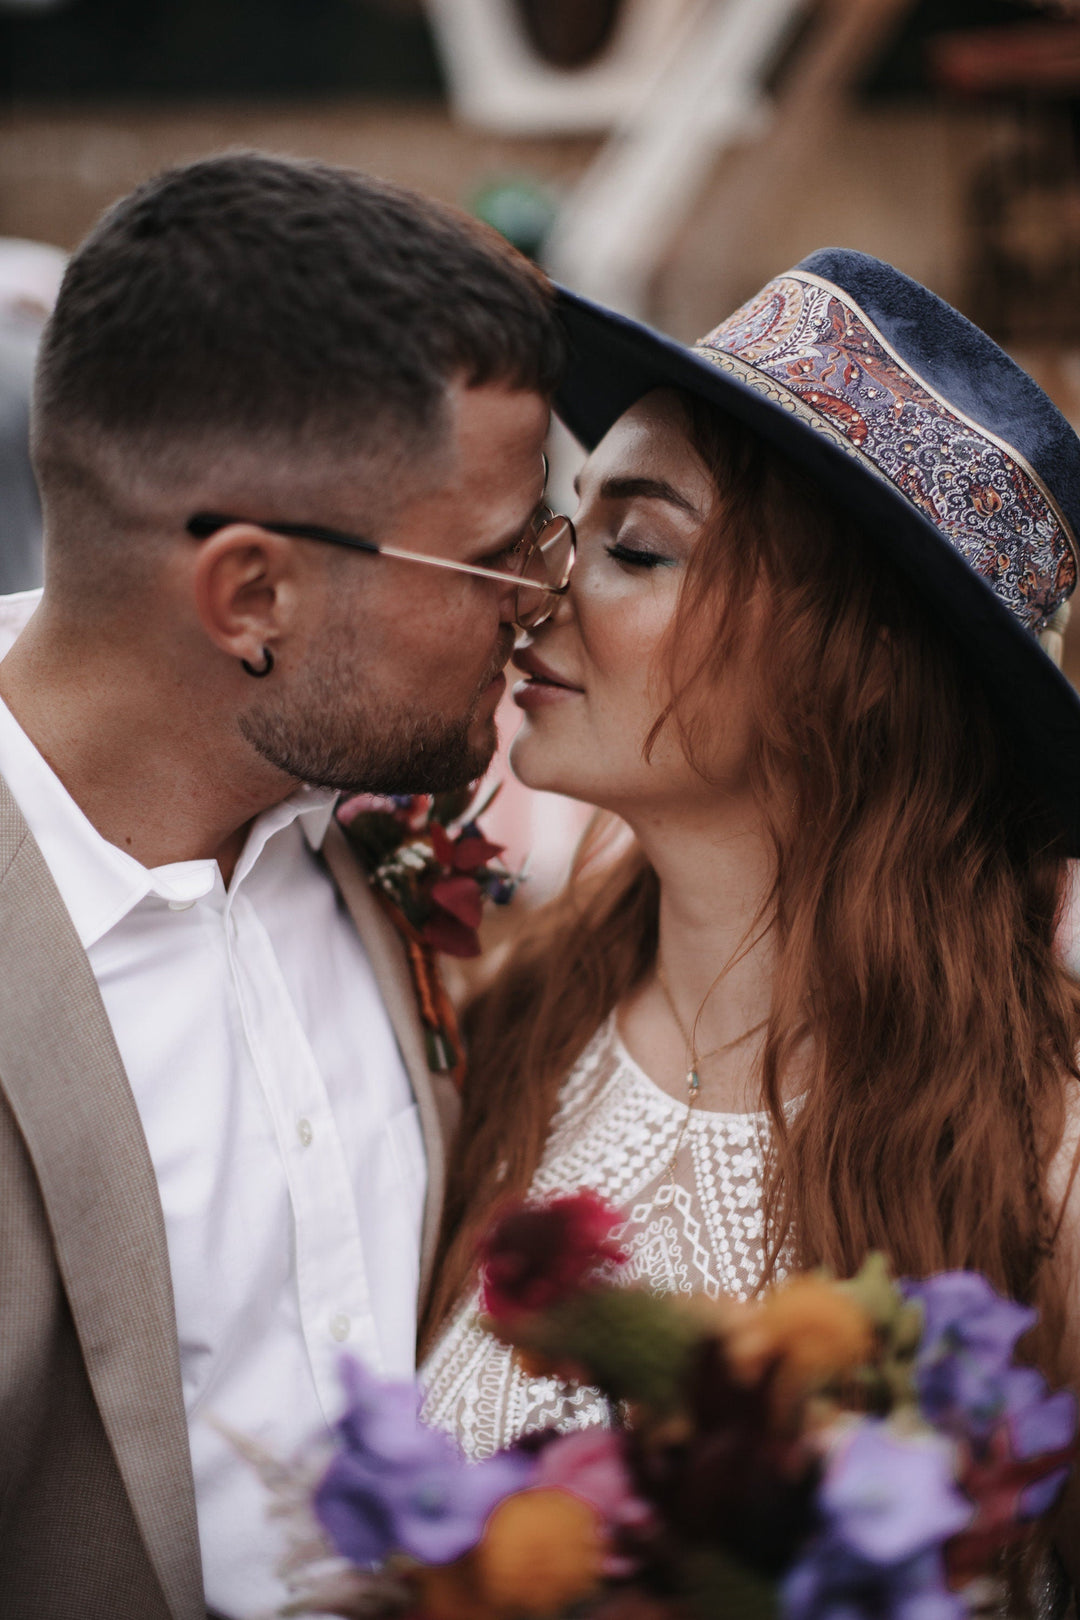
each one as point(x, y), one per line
point(610, 1032)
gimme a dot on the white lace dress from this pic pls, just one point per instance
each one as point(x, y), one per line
point(697, 1230)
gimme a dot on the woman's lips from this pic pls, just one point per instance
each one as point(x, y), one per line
point(543, 685)
point(538, 693)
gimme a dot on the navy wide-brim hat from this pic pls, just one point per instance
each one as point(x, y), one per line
point(958, 467)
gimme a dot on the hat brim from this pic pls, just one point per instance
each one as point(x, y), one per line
point(614, 361)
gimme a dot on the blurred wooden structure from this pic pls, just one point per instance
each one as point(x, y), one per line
point(713, 98)
point(498, 80)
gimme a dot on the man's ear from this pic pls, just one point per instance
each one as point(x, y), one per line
point(245, 590)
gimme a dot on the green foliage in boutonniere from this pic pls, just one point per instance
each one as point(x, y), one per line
point(428, 858)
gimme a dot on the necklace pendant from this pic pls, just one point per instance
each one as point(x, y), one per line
point(692, 1081)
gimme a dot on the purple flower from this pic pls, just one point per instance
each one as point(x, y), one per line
point(396, 1486)
point(1039, 1423)
point(381, 1418)
point(829, 1583)
point(964, 1307)
point(888, 1503)
point(499, 890)
point(890, 1496)
point(969, 1337)
point(969, 1386)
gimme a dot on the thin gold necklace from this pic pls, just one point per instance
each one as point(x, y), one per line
point(693, 1078)
point(694, 1062)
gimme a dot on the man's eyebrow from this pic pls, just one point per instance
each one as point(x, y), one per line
point(652, 489)
point(511, 538)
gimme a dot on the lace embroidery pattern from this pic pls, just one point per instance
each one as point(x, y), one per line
point(615, 1131)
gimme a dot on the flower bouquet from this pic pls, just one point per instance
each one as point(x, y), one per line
point(868, 1447)
point(432, 868)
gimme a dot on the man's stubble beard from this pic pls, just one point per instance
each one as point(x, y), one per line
point(373, 749)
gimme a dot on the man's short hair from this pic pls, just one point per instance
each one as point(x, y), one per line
point(247, 299)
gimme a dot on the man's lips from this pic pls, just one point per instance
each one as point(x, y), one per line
point(496, 680)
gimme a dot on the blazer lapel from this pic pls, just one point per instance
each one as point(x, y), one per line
point(62, 1073)
point(436, 1097)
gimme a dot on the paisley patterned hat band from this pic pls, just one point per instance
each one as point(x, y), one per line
point(806, 344)
point(957, 464)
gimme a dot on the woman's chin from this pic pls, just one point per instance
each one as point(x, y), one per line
point(538, 765)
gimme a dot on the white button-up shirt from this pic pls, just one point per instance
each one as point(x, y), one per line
point(281, 1126)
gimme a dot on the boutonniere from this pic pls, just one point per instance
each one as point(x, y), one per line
point(432, 868)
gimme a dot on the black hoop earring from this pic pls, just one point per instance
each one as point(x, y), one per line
point(268, 664)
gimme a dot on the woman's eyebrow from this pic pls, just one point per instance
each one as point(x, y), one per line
point(654, 489)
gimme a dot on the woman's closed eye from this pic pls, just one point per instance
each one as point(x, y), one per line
point(638, 556)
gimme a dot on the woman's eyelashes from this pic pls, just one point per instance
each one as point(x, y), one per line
point(638, 556)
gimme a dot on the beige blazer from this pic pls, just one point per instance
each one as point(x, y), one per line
point(97, 1507)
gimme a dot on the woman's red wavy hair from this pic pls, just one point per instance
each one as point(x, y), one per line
point(918, 887)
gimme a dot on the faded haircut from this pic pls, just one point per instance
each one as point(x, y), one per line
point(258, 306)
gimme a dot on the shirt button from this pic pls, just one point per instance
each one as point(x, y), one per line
point(304, 1132)
point(339, 1327)
point(181, 905)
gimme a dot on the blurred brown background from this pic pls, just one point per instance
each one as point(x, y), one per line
point(942, 140)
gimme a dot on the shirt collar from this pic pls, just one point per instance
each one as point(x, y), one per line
point(318, 813)
point(314, 807)
point(100, 883)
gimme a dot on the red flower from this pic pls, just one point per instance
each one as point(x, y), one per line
point(456, 895)
point(472, 850)
point(457, 908)
point(465, 852)
point(536, 1254)
point(461, 896)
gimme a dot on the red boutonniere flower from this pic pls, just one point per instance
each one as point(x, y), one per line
point(433, 869)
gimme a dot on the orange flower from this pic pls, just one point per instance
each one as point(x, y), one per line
point(541, 1550)
point(814, 1331)
point(451, 1592)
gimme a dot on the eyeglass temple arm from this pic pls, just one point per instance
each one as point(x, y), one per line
point(467, 568)
point(205, 524)
point(316, 531)
point(337, 537)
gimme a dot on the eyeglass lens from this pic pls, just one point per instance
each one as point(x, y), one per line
point(548, 563)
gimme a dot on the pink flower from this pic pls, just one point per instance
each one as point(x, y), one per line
point(590, 1464)
point(411, 810)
